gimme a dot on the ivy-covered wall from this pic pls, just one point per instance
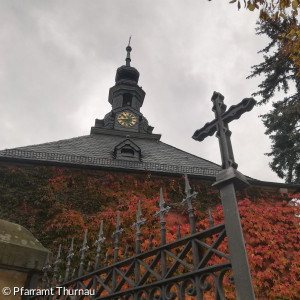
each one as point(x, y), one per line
point(34, 196)
point(56, 204)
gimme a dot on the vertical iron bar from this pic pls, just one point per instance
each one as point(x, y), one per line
point(138, 225)
point(116, 249)
point(73, 273)
point(116, 236)
point(45, 269)
point(69, 258)
point(139, 222)
point(126, 252)
point(236, 244)
point(56, 264)
point(195, 248)
point(84, 248)
point(210, 219)
point(89, 267)
point(178, 234)
point(162, 211)
point(188, 200)
point(98, 243)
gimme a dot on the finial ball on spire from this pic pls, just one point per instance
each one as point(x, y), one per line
point(128, 48)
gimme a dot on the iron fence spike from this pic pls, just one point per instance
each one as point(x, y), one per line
point(163, 210)
point(85, 237)
point(161, 213)
point(116, 236)
point(139, 222)
point(98, 243)
point(45, 269)
point(188, 200)
point(84, 248)
point(69, 258)
point(188, 188)
point(56, 265)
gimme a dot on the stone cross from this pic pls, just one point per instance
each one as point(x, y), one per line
point(226, 181)
point(220, 125)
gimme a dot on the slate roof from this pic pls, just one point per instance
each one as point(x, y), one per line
point(97, 150)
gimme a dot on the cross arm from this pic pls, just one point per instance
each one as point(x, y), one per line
point(207, 130)
point(233, 113)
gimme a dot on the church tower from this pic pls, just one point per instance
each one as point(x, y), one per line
point(122, 141)
point(126, 98)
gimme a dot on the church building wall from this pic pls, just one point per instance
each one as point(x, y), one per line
point(44, 199)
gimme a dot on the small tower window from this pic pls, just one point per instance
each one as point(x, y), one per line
point(127, 99)
point(128, 152)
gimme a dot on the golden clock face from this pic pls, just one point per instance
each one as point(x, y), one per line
point(126, 119)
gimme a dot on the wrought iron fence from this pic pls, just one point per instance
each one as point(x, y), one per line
point(182, 269)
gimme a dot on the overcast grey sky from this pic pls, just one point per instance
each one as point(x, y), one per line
point(58, 60)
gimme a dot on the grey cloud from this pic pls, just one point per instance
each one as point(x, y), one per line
point(58, 60)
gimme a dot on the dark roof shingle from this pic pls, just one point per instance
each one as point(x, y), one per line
point(97, 150)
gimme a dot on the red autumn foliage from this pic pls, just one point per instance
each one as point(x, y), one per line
point(58, 204)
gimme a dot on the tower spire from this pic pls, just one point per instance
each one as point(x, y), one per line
point(128, 49)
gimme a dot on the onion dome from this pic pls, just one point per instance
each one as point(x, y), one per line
point(127, 73)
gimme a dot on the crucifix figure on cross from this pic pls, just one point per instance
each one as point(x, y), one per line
point(226, 181)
